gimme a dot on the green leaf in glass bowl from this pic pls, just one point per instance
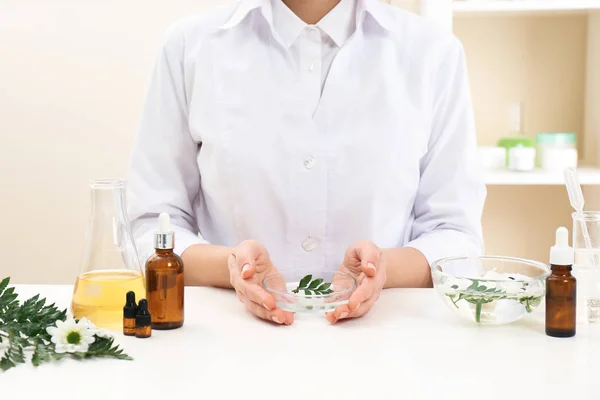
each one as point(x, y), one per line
point(314, 284)
point(304, 281)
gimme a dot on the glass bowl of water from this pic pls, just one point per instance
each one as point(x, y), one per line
point(310, 291)
point(490, 289)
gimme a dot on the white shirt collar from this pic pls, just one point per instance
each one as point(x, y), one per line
point(339, 24)
point(287, 24)
point(339, 34)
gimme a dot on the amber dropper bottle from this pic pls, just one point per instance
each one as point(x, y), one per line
point(164, 279)
point(129, 313)
point(143, 321)
point(561, 289)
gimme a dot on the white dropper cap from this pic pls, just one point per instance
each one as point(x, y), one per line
point(164, 223)
point(163, 239)
point(561, 253)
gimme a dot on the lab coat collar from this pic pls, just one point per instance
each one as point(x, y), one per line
point(372, 7)
point(287, 24)
point(378, 11)
point(243, 9)
point(338, 24)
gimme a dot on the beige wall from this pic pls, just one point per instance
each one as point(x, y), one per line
point(592, 91)
point(73, 77)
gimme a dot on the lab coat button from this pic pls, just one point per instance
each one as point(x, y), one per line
point(309, 162)
point(309, 244)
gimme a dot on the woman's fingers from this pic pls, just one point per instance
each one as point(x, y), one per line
point(254, 294)
point(260, 303)
point(364, 292)
point(252, 291)
point(259, 295)
point(368, 286)
point(243, 265)
point(369, 255)
point(331, 317)
point(245, 256)
point(340, 312)
point(363, 298)
point(363, 257)
point(277, 316)
point(343, 312)
point(289, 318)
point(363, 309)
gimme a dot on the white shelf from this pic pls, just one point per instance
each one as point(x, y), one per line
point(587, 176)
point(508, 6)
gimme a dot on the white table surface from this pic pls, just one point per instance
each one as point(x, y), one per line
point(409, 347)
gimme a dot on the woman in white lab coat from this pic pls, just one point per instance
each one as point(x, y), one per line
point(308, 134)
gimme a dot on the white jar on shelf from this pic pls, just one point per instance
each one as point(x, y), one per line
point(521, 159)
point(556, 151)
point(491, 158)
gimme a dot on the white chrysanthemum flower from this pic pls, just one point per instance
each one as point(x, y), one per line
point(87, 323)
point(70, 337)
point(102, 333)
point(96, 331)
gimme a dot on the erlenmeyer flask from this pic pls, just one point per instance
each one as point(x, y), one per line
point(110, 266)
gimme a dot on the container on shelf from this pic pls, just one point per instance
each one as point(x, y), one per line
point(521, 159)
point(515, 141)
point(556, 151)
point(491, 157)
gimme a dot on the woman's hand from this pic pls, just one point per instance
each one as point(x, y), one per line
point(366, 262)
point(248, 265)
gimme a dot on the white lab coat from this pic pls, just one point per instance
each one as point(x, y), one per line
point(234, 144)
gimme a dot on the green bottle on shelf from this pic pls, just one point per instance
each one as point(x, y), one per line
point(518, 139)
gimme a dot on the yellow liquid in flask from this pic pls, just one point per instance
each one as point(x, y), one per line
point(100, 296)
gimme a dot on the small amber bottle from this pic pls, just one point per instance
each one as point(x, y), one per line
point(143, 321)
point(129, 313)
point(164, 280)
point(561, 289)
